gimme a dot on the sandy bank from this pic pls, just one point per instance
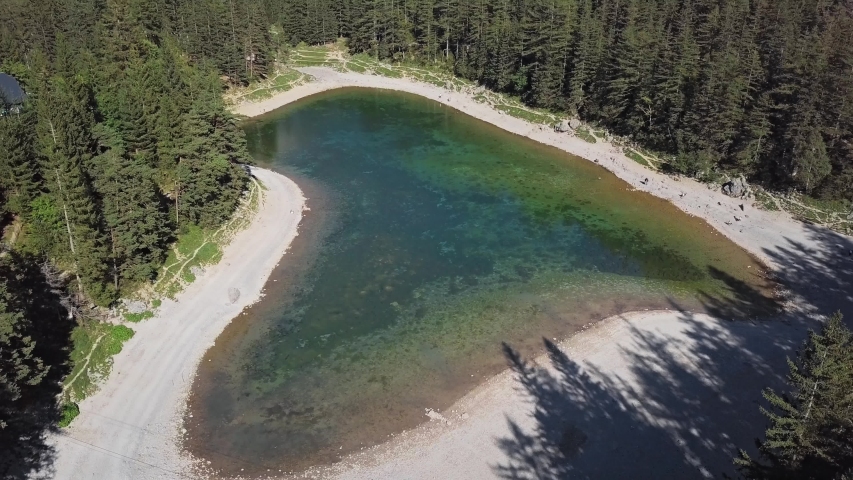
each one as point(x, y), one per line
point(642, 395)
point(131, 427)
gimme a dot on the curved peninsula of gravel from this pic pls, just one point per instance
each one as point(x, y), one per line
point(131, 428)
point(659, 394)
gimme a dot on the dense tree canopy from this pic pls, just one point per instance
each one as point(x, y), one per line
point(123, 141)
point(124, 138)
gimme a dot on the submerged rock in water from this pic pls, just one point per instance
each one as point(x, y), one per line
point(736, 188)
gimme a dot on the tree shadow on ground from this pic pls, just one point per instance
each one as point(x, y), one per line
point(819, 272)
point(23, 443)
point(674, 400)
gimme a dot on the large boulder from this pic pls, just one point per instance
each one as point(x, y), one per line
point(736, 188)
point(563, 126)
point(574, 123)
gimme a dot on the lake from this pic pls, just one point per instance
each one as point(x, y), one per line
point(432, 239)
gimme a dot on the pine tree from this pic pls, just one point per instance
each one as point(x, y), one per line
point(209, 175)
point(135, 221)
point(65, 120)
point(18, 165)
point(811, 430)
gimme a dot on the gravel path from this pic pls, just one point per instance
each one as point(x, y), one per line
point(131, 427)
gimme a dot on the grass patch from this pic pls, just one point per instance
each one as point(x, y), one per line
point(95, 344)
point(636, 157)
point(524, 114)
point(765, 200)
point(584, 135)
point(206, 254)
point(138, 317)
point(70, 410)
point(387, 72)
point(355, 67)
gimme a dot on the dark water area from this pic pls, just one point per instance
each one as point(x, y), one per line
point(432, 238)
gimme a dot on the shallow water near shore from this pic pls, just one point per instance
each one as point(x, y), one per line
point(432, 239)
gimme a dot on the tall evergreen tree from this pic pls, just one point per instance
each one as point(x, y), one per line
point(18, 164)
point(65, 120)
point(811, 430)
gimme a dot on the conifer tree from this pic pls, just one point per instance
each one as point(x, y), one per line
point(65, 120)
point(18, 165)
point(811, 429)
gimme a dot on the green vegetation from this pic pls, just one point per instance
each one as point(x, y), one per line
point(69, 413)
point(198, 247)
point(95, 343)
point(636, 157)
point(123, 144)
point(283, 80)
point(585, 135)
point(811, 428)
point(138, 317)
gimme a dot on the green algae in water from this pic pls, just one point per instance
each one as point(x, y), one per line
point(450, 237)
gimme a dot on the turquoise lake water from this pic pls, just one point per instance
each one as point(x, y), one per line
point(432, 238)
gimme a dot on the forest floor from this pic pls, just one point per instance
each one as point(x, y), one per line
point(671, 394)
point(131, 426)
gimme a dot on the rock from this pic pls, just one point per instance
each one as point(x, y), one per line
point(233, 295)
point(433, 415)
point(574, 123)
point(197, 270)
point(135, 306)
point(448, 85)
point(741, 207)
point(736, 188)
point(563, 126)
point(850, 216)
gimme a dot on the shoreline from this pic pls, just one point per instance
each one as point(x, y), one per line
point(462, 442)
point(690, 196)
point(132, 427)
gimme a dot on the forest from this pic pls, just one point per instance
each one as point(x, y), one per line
point(124, 140)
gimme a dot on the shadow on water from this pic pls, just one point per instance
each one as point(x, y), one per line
point(34, 415)
point(686, 402)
